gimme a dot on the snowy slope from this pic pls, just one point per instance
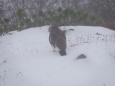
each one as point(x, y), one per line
point(27, 59)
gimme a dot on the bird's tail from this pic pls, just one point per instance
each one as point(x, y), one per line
point(62, 52)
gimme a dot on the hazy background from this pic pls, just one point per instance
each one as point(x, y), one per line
point(22, 14)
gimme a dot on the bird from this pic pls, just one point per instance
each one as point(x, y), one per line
point(57, 39)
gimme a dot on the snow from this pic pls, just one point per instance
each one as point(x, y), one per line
point(27, 58)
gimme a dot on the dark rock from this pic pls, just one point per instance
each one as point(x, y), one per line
point(82, 56)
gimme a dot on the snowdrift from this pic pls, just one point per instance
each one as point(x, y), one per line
point(27, 58)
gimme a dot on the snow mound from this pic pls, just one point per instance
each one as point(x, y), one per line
point(27, 58)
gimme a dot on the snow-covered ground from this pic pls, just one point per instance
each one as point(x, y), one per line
point(27, 58)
